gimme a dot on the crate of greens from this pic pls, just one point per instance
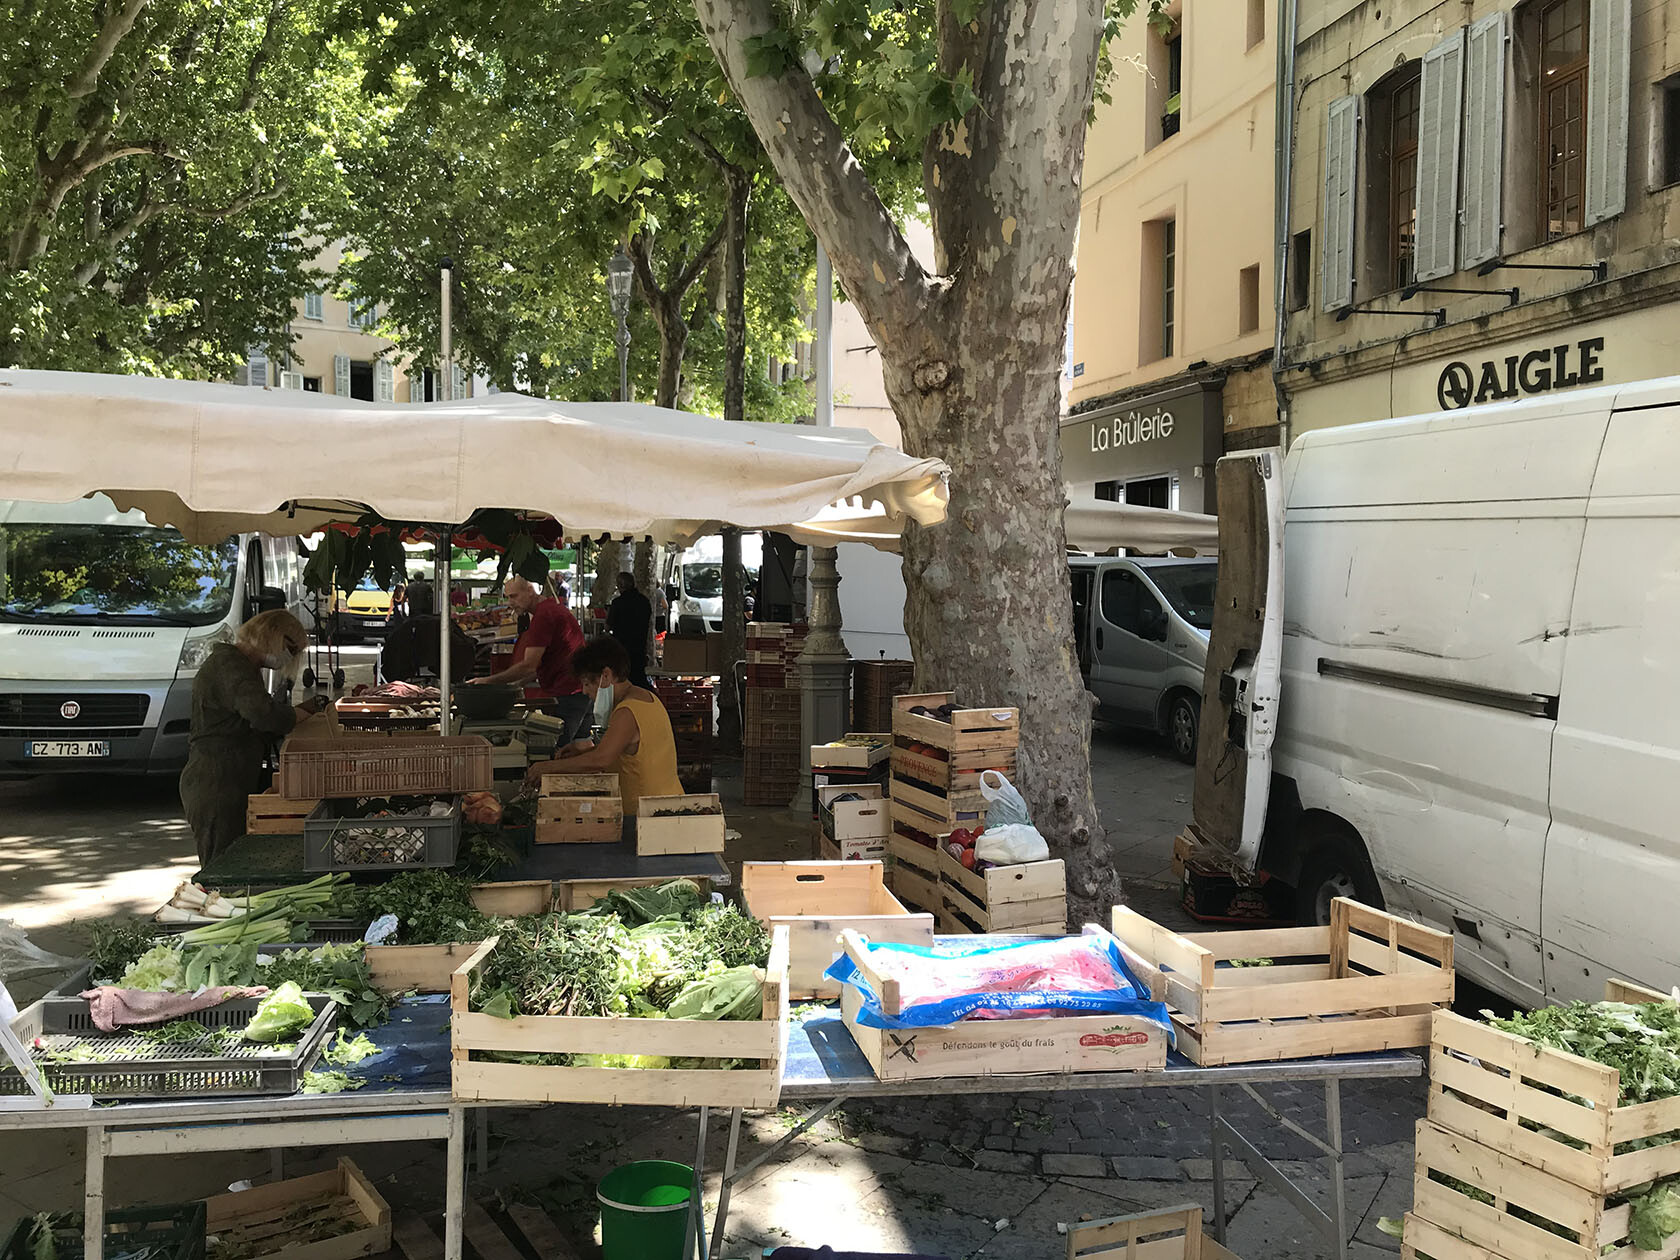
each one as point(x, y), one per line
point(441, 920)
point(653, 997)
point(173, 1231)
point(1589, 1092)
point(380, 833)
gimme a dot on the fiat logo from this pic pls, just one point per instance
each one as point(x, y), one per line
point(69, 710)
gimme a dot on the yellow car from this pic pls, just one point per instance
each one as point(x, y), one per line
point(364, 611)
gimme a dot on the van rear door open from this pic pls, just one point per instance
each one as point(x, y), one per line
point(1244, 665)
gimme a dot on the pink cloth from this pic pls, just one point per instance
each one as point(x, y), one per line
point(113, 1008)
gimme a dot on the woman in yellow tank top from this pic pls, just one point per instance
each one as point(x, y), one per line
point(638, 745)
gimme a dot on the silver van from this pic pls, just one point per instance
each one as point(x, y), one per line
point(1141, 628)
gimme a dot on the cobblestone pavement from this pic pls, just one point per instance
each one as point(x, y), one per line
point(975, 1176)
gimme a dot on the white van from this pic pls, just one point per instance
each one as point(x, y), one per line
point(104, 621)
point(695, 582)
point(1466, 705)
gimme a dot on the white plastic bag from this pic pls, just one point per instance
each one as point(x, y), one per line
point(1004, 804)
point(1011, 843)
point(19, 956)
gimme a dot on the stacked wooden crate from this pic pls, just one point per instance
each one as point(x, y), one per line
point(270, 814)
point(1019, 899)
point(874, 684)
point(771, 725)
point(1525, 1148)
point(936, 784)
point(580, 809)
point(852, 822)
point(688, 701)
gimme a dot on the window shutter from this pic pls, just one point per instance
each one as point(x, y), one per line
point(416, 383)
point(384, 381)
point(256, 366)
point(1481, 218)
point(1440, 119)
point(312, 306)
point(1341, 178)
point(1608, 39)
point(341, 375)
point(457, 383)
point(291, 380)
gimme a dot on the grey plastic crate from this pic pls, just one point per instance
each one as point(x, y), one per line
point(404, 842)
point(79, 1059)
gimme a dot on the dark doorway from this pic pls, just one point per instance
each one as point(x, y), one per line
point(361, 380)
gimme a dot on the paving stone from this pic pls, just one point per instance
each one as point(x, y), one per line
point(1202, 1170)
point(1005, 1162)
point(882, 1143)
point(1267, 1225)
point(1074, 1165)
point(999, 1142)
point(1146, 1168)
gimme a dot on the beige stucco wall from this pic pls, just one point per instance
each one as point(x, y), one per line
point(1375, 366)
point(1215, 178)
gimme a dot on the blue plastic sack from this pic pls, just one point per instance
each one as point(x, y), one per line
point(1124, 995)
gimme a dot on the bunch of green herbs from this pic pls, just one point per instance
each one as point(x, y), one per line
point(432, 907)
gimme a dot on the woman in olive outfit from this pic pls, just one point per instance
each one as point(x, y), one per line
point(234, 719)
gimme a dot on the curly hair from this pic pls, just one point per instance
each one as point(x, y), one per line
point(599, 654)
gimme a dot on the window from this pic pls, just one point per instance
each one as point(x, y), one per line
point(1150, 492)
point(1563, 117)
point(1389, 240)
point(312, 384)
point(1169, 284)
point(1175, 87)
point(1128, 604)
point(1157, 285)
point(314, 306)
point(1256, 23)
point(364, 314)
point(1163, 83)
point(1667, 117)
point(1402, 157)
point(1248, 300)
point(1300, 270)
point(361, 380)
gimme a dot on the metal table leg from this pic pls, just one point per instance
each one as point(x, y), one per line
point(93, 1198)
point(694, 1237)
point(1218, 1153)
point(455, 1181)
point(722, 1217)
point(1333, 1224)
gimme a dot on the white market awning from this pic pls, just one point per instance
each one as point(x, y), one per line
point(213, 460)
point(1095, 525)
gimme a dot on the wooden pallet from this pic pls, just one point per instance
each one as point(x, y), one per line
point(490, 1237)
point(1533, 1215)
point(1368, 981)
point(1550, 1109)
point(270, 814)
point(1173, 1233)
point(1027, 898)
point(967, 731)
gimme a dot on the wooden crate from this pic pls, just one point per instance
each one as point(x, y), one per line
point(572, 895)
point(270, 814)
point(870, 849)
point(580, 785)
point(968, 729)
point(1583, 1225)
point(1173, 1233)
point(511, 899)
point(1027, 898)
point(852, 756)
point(817, 901)
point(1528, 1101)
point(996, 1047)
point(914, 874)
point(939, 812)
point(267, 1221)
point(762, 1040)
point(866, 819)
point(694, 833)
point(421, 968)
point(1368, 981)
point(579, 820)
point(954, 772)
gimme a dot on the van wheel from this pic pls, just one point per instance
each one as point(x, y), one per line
point(1183, 727)
point(1336, 867)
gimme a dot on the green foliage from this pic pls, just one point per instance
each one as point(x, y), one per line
point(432, 908)
point(1642, 1042)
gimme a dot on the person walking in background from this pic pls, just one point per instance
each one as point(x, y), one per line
point(542, 658)
point(629, 621)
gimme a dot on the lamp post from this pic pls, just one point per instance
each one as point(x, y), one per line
point(620, 273)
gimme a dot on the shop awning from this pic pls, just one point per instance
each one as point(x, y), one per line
point(213, 460)
point(1095, 525)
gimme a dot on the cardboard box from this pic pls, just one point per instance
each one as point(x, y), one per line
point(693, 654)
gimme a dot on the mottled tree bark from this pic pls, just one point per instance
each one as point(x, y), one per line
point(972, 359)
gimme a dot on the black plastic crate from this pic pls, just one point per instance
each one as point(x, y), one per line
point(162, 1232)
point(403, 842)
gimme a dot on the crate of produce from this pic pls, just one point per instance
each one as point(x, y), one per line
point(1368, 981)
point(417, 968)
point(1026, 898)
point(937, 812)
point(572, 895)
point(872, 849)
point(579, 820)
point(816, 901)
point(381, 834)
point(1550, 1109)
point(510, 899)
point(383, 765)
point(1470, 1201)
point(761, 1042)
point(679, 824)
point(170, 1231)
point(864, 818)
point(914, 872)
point(996, 1047)
point(857, 751)
point(270, 814)
point(960, 730)
point(332, 1215)
point(215, 1062)
point(1173, 1233)
point(948, 771)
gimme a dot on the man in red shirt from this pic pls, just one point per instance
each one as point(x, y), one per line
point(542, 658)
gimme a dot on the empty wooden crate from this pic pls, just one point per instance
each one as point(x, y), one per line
point(1168, 1234)
point(679, 824)
point(861, 822)
point(1028, 898)
point(817, 901)
point(270, 814)
point(579, 809)
point(333, 1215)
point(1367, 981)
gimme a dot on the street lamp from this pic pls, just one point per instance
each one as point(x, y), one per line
point(619, 275)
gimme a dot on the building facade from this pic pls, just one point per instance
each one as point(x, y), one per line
point(1171, 329)
point(1485, 201)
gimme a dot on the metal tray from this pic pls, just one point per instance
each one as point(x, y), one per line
point(131, 1066)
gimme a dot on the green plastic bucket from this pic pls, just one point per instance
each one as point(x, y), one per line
point(644, 1210)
